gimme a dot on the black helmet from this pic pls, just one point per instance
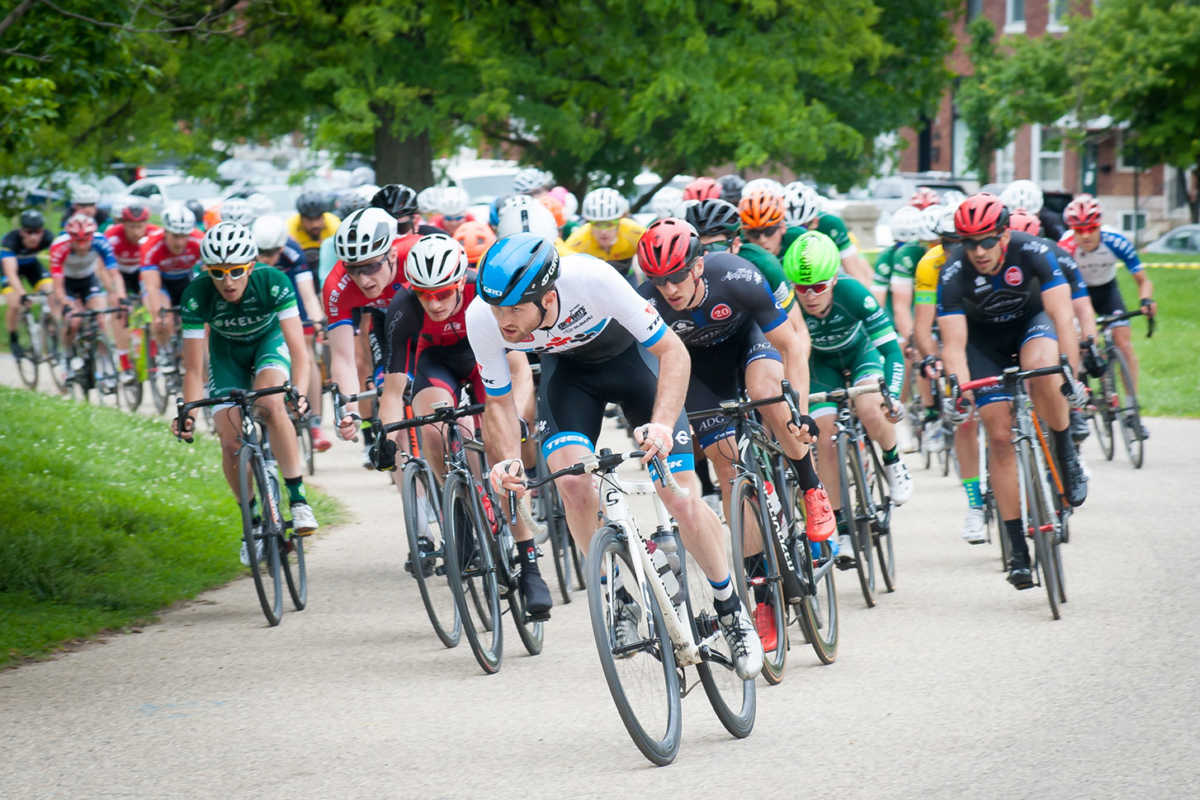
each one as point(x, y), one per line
point(197, 209)
point(396, 199)
point(731, 187)
point(32, 220)
point(312, 204)
point(711, 217)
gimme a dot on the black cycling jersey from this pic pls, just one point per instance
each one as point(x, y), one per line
point(735, 297)
point(13, 246)
point(1012, 295)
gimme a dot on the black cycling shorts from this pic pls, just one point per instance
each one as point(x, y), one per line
point(718, 373)
point(174, 288)
point(133, 283)
point(83, 289)
point(31, 270)
point(572, 395)
point(442, 368)
point(1106, 299)
point(993, 349)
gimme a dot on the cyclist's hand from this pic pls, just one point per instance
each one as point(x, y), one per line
point(508, 476)
point(894, 412)
point(302, 406)
point(347, 427)
point(931, 367)
point(383, 454)
point(1093, 362)
point(189, 426)
point(1150, 306)
point(951, 410)
point(1078, 395)
point(803, 428)
point(655, 439)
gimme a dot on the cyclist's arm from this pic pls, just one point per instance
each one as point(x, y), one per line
point(193, 365)
point(151, 280)
point(674, 372)
point(902, 313)
point(1085, 313)
point(112, 281)
point(293, 335)
point(953, 328)
point(9, 265)
point(1057, 302)
point(794, 348)
point(343, 368)
point(923, 315)
point(308, 295)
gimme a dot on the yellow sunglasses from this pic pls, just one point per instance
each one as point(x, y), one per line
point(232, 273)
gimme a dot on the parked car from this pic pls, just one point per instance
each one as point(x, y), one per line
point(888, 194)
point(162, 190)
point(1185, 240)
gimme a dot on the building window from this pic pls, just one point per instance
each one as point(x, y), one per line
point(1127, 160)
point(1046, 157)
point(1014, 17)
point(959, 146)
point(1006, 163)
point(974, 9)
point(1128, 220)
point(1057, 22)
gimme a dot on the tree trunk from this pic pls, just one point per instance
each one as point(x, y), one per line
point(1192, 193)
point(401, 160)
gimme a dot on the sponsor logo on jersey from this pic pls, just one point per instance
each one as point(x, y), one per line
point(1013, 276)
point(574, 316)
point(743, 274)
point(682, 437)
point(721, 311)
point(980, 280)
point(868, 302)
point(682, 326)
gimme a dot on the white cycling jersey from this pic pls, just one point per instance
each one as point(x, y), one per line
point(591, 296)
point(1099, 267)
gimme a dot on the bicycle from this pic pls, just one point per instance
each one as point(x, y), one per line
point(1044, 514)
point(164, 365)
point(89, 362)
point(30, 349)
point(270, 542)
point(793, 576)
point(1116, 400)
point(672, 635)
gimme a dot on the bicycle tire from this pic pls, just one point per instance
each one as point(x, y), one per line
point(1036, 520)
point(463, 534)
point(853, 503)
point(419, 496)
point(554, 520)
point(744, 505)
point(658, 739)
point(531, 632)
point(159, 385)
point(108, 383)
point(30, 357)
point(252, 480)
point(881, 525)
point(304, 439)
point(53, 354)
point(818, 612)
point(297, 581)
point(1129, 418)
point(1102, 416)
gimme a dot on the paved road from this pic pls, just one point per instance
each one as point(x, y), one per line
point(955, 686)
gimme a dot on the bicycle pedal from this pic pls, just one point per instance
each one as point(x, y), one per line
point(541, 617)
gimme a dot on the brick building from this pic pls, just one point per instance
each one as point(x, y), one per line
point(1037, 151)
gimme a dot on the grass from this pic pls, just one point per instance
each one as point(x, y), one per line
point(1169, 383)
point(109, 520)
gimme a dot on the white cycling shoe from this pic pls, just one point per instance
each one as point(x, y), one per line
point(974, 527)
point(900, 483)
point(258, 552)
point(744, 644)
point(303, 521)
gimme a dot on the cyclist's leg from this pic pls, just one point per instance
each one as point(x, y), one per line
point(825, 377)
point(13, 291)
point(226, 373)
point(1106, 299)
point(432, 384)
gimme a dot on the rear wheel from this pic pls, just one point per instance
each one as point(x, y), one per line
point(304, 438)
point(472, 572)
point(108, 377)
point(264, 565)
point(1103, 416)
point(53, 353)
point(758, 578)
point(27, 353)
point(1129, 418)
point(855, 498)
point(881, 524)
point(423, 520)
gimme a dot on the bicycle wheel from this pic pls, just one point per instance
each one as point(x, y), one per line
point(555, 520)
point(304, 439)
point(641, 676)
point(265, 566)
point(26, 352)
point(881, 524)
point(818, 612)
point(758, 579)
point(108, 377)
point(1102, 415)
point(131, 389)
point(470, 569)
point(423, 519)
point(854, 503)
point(52, 351)
point(531, 632)
point(1129, 417)
point(1037, 523)
point(296, 576)
point(156, 375)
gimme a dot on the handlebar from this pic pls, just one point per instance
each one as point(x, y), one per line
point(445, 414)
point(238, 397)
point(607, 461)
point(340, 401)
point(1111, 319)
point(1010, 377)
point(849, 393)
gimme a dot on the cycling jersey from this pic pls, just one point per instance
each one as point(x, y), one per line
point(1099, 266)
point(12, 246)
point(308, 245)
point(770, 268)
point(898, 271)
point(172, 266)
point(129, 254)
point(623, 250)
point(342, 296)
point(1012, 295)
point(829, 224)
point(883, 265)
point(855, 325)
point(326, 259)
point(735, 297)
point(433, 353)
point(925, 279)
point(291, 263)
point(65, 261)
point(268, 298)
point(599, 317)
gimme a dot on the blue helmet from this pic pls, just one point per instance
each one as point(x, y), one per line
point(517, 269)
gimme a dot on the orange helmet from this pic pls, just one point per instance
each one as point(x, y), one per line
point(556, 208)
point(476, 238)
point(702, 189)
point(761, 209)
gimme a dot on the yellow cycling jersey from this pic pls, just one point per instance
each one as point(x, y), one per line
point(623, 249)
point(926, 279)
point(306, 242)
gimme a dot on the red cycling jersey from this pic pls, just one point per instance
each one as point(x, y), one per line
point(156, 256)
point(342, 295)
point(129, 254)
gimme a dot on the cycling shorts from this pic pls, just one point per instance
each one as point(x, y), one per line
point(31, 271)
point(717, 374)
point(133, 283)
point(572, 395)
point(174, 288)
point(234, 365)
point(829, 371)
point(438, 367)
point(83, 289)
point(1106, 299)
point(994, 349)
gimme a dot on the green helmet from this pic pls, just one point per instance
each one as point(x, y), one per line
point(812, 258)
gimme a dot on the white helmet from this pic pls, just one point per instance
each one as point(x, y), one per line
point(763, 184)
point(270, 232)
point(178, 218)
point(601, 205)
point(228, 243)
point(435, 260)
point(944, 226)
point(527, 217)
point(237, 210)
point(84, 194)
point(360, 176)
point(531, 179)
point(260, 204)
point(953, 198)
point(667, 202)
point(454, 201)
point(906, 224)
point(795, 186)
point(364, 234)
point(931, 216)
point(1023, 195)
point(429, 200)
point(802, 207)
point(349, 200)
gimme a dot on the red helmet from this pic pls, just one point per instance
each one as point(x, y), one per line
point(81, 227)
point(1025, 222)
point(980, 213)
point(923, 198)
point(1082, 212)
point(135, 212)
point(667, 246)
point(702, 189)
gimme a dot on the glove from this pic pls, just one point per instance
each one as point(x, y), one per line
point(1078, 395)
point(1094, 363)
point(951, 412)
point(383, 454)
point(806, 424)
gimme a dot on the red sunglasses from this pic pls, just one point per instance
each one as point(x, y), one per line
point(445, 293)
point(814, 288)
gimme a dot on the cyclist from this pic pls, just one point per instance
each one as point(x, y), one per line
point(1097, 252)
point(608, 234)
point(702, 188)
point(731, 187)
point(1025, 195)
point(277, 249)
point(452, 209)
point(923, 198)
point(806, 215)
point(532, 181)
point(850, 333)
point(313, 223)
point(127, 238)
point(19, 260)
point(401, 202)
point(248, 315)
point(84, 274)
point(762, 214)
point(1003, 301)
point(85, 199)
point(197, 209)
point(598, 340)
point(359, 197)
point(906, 223)
point(167, 267)
point(721, 309)
point(238, 210)
point(476, 238)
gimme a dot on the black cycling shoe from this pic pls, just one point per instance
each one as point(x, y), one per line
point(1074, 479)
point(1079, 426)
point(536, 594)
point(1020, 577)
point(425, 546)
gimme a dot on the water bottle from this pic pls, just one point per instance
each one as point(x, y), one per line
point(662, 564)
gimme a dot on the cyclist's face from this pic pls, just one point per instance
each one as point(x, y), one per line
point(88, 210)
point(30, 238)
point(817, 305)
point(687, 292)
point(605, 233)
point(81, 246)
point(735, 243)
point(452, 223)
point(270, 257)
point(134, 230)
point(772, 242)
point(374, 275)
point(312, 225)
point(231, 288)
point(176, 242)
point(986, 260)
point(1088, 238)
point(441, 303)
point(517, 322)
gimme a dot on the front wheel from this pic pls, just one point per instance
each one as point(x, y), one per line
point(856, 506)
point(261, 538)
point(427, 550)
point(881, 522)
point(1129, 418)
point(53, 352)
point(1103, 414)
point(27, 352)
point(471, 570)
point(758, 580)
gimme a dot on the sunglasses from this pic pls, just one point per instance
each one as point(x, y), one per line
point(1087, 229)
point(229, 273)
point(678, 276)
point(986, 244)
point(718, 246)
point(606, 224)
point(454, 217)
point(445, 293)
point(366, 267)
point(821, 287)
point(762, 233)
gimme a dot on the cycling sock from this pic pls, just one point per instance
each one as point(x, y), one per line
point(974, 496)
point(1063, 443)
point(843, 526)
point(722, 590)
point(1016, 535)
point(527, 551)
point(891, 456)
point(295, 488)
point(931, 413)
point(806, 476)
point(727, 605)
